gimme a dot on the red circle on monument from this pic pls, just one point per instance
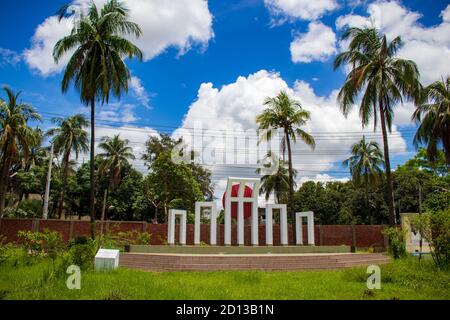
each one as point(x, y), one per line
point(234, 206)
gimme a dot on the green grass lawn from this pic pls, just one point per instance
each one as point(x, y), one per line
point(406, 279)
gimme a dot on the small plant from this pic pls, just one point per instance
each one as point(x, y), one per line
point(47, 243)
point(397, 245)
point(82, 252)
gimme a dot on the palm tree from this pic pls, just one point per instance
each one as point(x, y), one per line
point(97, 65)
point(383, 80)
point(15, 134)
point(287, 114)
point(116, 155)
point(68, 137)
point(433, 117)
point(276, 183)
point(366, 165)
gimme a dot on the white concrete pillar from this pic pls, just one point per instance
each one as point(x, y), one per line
point(213, 227)
point(171, 225)
point(240, 200)
point(227, 218)
point(241, 215)
point(269, 225)
point(311, 240)
point(255, 214)
point(283, 223)
point(183, 229)
point(213, 230)
point(283, 226)
point(299, 227)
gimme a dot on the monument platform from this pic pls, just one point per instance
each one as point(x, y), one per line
point(166, 258)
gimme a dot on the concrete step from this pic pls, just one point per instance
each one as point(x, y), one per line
point(158, 262)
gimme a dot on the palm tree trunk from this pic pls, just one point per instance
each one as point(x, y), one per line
point(4, 178)
point(291, 183)
point(387, 163)
point(92, 169)
point(64, 183)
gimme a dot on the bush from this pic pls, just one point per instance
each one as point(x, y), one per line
point(120, 240)
point(435, 229)
point(5, 250)
point(47, 243)
point(397, 246)
point(25, 209)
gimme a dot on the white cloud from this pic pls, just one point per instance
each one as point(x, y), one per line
point(299, 9)
point(165, 23)
point(318, 44)
point(429, 47)
point(324, 178)
point(139, 91)
point(236, 105)
point(9, 57)
point(40, 56)
point(117, 112)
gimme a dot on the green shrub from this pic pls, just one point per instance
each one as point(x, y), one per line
point(397, 245)
point(120, 240)
point(83, 255)
point(435, 229)
point(47, 243)
point(5, 250)
point(25, 209)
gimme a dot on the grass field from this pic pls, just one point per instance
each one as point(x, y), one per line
point(406, 279)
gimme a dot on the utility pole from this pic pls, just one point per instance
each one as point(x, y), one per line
point(47, 185)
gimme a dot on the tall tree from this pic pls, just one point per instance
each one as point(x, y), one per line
point(287, 114)
point(116, 154)
point(366, 165)
point(69, 136)
point(276, 183)
point(15, 134)
point(383, 80)
point(433, 117)
point(97, 66)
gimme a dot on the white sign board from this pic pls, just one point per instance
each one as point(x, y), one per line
point(107, 259)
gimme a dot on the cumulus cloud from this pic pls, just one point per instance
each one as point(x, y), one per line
point(117, 112)
point(318, 44)
point(429, 47)
point(283, 10)
point(235, 107)
point(165, 23)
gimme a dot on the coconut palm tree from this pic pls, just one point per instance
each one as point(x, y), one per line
point(287, 114)
point(276, 183)
point(70, 136)
point(382, 79)
point(116, 154)
point(366, 166)
point(433, 117)
point(365, 163)
point(97, 68)
point(15, 134)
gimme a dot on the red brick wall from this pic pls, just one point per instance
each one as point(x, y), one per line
point(359, 235)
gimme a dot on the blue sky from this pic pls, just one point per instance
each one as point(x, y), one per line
point(217, 42)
